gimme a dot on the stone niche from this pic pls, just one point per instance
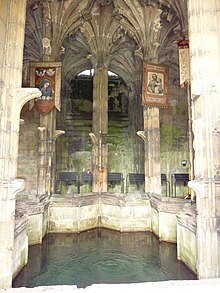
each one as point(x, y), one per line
point(163, 216)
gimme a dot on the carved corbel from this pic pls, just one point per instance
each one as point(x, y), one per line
point(142, 135)
point(15, 185)
point(139, 53)
point(93, 138)
point(196, 186)
point(41, 129)
point(57, 133)
point(195, 97)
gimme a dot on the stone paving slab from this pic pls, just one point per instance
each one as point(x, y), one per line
point(212, 285)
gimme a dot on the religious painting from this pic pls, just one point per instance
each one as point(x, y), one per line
point(46, 76)
point(155, 85)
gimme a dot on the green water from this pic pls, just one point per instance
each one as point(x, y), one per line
point(101, 256)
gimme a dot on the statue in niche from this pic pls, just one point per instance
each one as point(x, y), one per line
point(46, 46)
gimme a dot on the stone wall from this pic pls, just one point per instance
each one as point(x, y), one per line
point(28, 151)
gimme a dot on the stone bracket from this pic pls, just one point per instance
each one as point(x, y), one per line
point(14, 185)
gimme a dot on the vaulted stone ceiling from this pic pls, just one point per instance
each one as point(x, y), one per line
point(119, 34)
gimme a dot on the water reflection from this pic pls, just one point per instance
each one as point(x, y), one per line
point(101, 256)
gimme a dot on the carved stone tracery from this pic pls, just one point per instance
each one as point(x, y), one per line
point(104, 2)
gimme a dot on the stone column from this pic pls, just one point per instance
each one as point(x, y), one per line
point(205, 75)
point(45, 150)
point(41, 178)
point(46, 147)
point(12, 98)
point(12, 31)
point(152, 150)
point(100, 129)
point(57, 133)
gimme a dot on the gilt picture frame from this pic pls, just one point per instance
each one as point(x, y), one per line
point(155, 85)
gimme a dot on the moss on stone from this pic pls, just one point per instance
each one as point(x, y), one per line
point(170, 135)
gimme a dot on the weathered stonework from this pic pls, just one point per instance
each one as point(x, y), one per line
point(164, 211)
point(186, 237)
point(92, 211)
point(116, 36)
point(20, 250)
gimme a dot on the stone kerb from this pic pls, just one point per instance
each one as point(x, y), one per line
point(186, 237)
point(37, 219)
point(20, 249)
point(72, 214)
point(125, 214)
point(76, 214)
point(163, 216)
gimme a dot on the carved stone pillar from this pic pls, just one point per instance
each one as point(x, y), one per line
point(9, 184)
point(41, 178)
point(57, 134)
point(100, 129)
point(45, 150)
point(12, 98)
point(205, 75)
point(46, 146)
point(152, 150)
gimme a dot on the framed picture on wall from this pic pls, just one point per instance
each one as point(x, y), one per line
point(154, 85)
point(46, 76)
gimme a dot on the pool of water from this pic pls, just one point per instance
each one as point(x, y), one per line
point(101, 256)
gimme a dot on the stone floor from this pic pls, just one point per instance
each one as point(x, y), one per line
point(212, 285)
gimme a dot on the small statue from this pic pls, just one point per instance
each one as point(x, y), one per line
point(46, 46)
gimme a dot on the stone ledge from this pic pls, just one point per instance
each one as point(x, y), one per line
point(165, 286)
point(187, 218)
point(168, 204)
point(21, 223)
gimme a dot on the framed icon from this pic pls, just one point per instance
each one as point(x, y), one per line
point(155, 85)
